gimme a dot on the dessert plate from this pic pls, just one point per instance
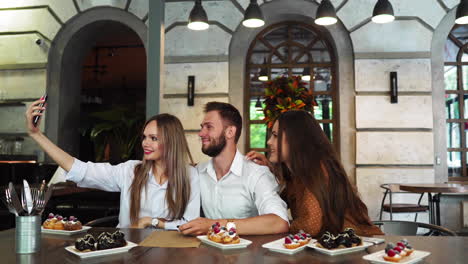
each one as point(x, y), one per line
point(277, 246)
point(339, 251)
point(64, 232)
point(377, 257)
point(242, 244)
point(102, 252)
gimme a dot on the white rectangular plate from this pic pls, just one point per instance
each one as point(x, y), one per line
point(64, 232)
point(377, 257)
point(339, 251)
point(102, 252)
point(242, 244)
point(277, 246)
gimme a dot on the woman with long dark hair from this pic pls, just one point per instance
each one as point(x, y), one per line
point(315, 184)
point(161, 190)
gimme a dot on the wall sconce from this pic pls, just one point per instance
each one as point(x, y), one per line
point(191, 90)
point(326, 14)
point(383, 12)
point(393, 88)
point(198, 20)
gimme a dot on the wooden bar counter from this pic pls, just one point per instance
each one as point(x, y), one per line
point(443, 250)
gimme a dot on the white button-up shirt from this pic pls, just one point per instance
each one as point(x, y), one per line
point(118, 178)
point(247, 190)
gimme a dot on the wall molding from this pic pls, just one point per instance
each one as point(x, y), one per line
point(376, 166)
point(77, 7)
point(196, 59)
point(50, 10)
point(443, 5)
point(400, 93)
point(127, 5)
point(416, 129)
point(9, 33)
point(392, 55)
point(202, 95)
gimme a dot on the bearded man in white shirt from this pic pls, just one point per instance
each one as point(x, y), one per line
point(234, 189)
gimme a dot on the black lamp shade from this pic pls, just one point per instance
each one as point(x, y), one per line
point(462, 13)
point(258, 104)
point(306, 74)
point(326, 14)
point(198, 20)
point(383, 12)
point(253, 16)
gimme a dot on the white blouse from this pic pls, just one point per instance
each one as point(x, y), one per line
point(118, 178)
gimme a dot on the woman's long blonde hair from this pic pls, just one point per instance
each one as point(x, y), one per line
point(175, 156)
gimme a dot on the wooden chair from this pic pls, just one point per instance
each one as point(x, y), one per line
point(391, 207)
point(407, 228)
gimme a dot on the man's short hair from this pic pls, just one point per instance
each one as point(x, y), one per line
point(228, 113)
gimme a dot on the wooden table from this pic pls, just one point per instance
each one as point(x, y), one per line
point(434, 200)
point(443, 250)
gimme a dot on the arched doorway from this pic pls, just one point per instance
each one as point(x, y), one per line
point(291, 49)
point(113, 96)
point(66, 57)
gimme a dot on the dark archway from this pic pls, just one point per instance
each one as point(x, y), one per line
point(68, 50)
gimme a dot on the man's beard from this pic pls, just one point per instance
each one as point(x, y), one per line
point(214, 149)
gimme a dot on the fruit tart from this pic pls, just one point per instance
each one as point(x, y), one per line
point(297, 240)
point(395, 253)
point(223, 235)
point(58, 222)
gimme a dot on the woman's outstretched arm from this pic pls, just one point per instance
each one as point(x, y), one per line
point(62, 158)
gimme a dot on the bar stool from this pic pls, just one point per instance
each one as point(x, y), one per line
point(390, 189)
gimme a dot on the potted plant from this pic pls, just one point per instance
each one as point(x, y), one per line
point(115, 132)
point(283, 94)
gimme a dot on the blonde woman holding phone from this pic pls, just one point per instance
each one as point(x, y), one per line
point(161, 190)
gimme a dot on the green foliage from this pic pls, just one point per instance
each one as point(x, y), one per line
point(283, 94)
point(119, 128)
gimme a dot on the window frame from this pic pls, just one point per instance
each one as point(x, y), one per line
point(322, 35)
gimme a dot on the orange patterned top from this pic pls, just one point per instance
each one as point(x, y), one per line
point(307, 214)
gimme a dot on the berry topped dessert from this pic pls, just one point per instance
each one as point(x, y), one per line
point(345, 239)
point(297, 240)
point(105, 240)
point(59, 222)
point(223, 235)
point(395, 253)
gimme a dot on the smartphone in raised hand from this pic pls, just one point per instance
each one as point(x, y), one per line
point(36, 118)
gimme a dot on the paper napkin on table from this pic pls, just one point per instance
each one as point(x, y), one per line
point(169, 239)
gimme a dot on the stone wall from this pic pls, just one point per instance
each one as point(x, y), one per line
point(382, 142)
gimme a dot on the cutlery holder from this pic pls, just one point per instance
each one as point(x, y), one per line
point(28, 234)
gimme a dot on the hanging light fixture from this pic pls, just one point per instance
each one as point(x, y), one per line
point(253, 17)
point(198, 20)
point(326, 14)
point(306, 74)
point(258, 104)
point(462, 12)
point(263, 76)
point(383, 12)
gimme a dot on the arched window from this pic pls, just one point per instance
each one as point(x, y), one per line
point(456, 101)
point(287, 49)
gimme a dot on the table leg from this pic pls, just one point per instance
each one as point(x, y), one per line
point(431, 208)
point(437, 205)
